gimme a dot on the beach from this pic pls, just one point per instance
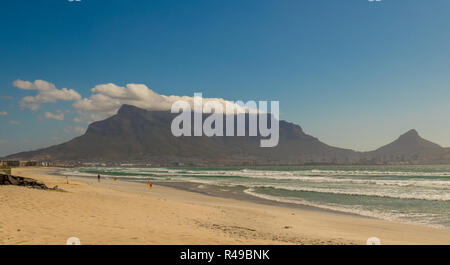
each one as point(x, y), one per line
point(121, 212)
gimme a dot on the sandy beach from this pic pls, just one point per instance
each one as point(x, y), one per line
point(129, 213)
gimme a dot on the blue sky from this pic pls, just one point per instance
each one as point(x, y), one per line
point(355, 74)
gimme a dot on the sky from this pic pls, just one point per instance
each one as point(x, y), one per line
point(355, 74)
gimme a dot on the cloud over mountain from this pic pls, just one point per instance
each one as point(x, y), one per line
point(106, 99)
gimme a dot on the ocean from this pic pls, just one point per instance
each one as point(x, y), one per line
point(409, 194)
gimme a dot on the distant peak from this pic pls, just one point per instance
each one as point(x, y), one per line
point(410, 133)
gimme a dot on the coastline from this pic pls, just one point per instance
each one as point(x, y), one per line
point(242, 196)
point(129, 213)
point(218, 192)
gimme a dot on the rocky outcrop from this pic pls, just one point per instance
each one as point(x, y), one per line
point(26, 182)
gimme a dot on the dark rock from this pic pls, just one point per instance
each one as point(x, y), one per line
point(3, 179)
point(25, 182)
point(13, 180)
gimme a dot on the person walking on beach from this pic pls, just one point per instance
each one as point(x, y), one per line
point(98, 177)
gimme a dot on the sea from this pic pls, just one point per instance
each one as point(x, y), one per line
point(405, 193)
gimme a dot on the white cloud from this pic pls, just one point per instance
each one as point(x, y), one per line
point(108, 98)
point(15, 122)
point(105, 101)
point(47, 93)
point(59, 116)
point(3, 113)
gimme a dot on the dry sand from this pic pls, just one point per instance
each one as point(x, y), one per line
point(129, 213)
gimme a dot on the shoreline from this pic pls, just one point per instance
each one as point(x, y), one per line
point(217, 192)
point(238, 193)
point(129, 213)
point(242, 196)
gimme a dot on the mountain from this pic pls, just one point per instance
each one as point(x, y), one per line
point(139, 136)
point(409, 147)
point(409, 143)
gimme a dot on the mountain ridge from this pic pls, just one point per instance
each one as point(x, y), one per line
point(138, 135)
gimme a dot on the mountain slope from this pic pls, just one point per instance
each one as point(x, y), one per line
point(408, 147)
point(409, 143)
point(135, 134)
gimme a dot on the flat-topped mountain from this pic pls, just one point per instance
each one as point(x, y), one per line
point(136, 135)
